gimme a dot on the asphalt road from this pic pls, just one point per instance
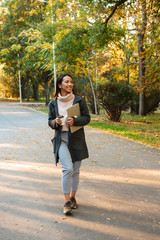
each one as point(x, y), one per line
point(119, 191)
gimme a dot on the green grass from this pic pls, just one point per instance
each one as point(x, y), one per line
point(43, 109)
point(142, 129)
point(9, 100)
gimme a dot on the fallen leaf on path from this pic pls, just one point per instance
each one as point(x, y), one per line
point(110, 209)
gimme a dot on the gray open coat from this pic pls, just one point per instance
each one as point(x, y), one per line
point(77, 144)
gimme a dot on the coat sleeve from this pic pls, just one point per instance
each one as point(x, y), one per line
point(52, 116)
point(84, 119)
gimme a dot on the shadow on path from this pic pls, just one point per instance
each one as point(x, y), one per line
point(119, 188)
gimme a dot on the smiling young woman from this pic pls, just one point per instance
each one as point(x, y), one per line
point(66, 85)
point(69, 148)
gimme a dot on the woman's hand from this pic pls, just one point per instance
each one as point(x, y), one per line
point(70, 121)
point(58, 121)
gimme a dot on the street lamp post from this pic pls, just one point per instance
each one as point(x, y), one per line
point(2, 83)
point(19, 75)
point(54, 62)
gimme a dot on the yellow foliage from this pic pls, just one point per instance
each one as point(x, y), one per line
point(32, 12)
point(47, 46)
point(20, 20)
point(38, 64)
point(16, 47)
point(31, 33)
point(30, 49)
point(4, 51)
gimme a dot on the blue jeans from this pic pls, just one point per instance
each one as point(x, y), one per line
point(70, 170)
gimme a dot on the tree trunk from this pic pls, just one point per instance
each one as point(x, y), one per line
point(46, 91)
point(46, 80)
point(51, 89)
point(128, 63)
point(46, 75)
point(36, 91)
point(141, 55)
point(128, 74)
point(28, 92)
point(23, 87)
point(91, 83)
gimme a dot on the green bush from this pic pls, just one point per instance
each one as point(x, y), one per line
point(151, 102)
point(114, 97)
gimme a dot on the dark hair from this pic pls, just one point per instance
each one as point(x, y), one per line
point(59, 81)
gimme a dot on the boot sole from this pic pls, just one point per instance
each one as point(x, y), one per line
point(67, 212)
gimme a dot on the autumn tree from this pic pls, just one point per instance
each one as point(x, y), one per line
point(22, 37)
point(145, 15)
point(115, 33)
point(88, 30)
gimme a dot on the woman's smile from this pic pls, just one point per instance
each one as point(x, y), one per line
point(66, 86)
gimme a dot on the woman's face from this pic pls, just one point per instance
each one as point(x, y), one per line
point(66, 86)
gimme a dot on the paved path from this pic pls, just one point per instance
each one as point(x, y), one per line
point(119, 192)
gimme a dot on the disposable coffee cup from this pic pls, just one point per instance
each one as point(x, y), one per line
point(62, 119)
